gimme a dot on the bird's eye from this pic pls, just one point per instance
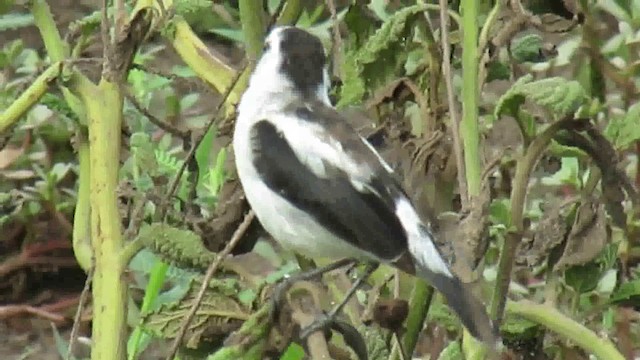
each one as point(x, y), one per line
point(266, 46)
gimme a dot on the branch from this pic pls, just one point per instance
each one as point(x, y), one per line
point(30, 97)
point(242, 228)
point(518, 194)
point(566, 327)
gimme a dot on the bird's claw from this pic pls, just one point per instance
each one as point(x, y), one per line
point(323, 323)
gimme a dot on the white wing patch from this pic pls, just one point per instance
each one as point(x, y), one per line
point(373, 150)
point(421, 246)
point(316, 148)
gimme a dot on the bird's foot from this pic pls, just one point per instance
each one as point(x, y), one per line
point(322, 323)
point(281, 289)
point(325, 321)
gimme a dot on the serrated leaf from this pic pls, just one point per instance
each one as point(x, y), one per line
point(376, 62)
point(15, 21)
point(376, 342)
point(217, 316)
point(526, 48)
point(176, 246)
point(624, 130)
point(560, 96)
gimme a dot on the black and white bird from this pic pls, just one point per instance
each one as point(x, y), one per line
point(321, 189)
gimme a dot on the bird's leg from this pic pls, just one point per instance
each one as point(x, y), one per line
point(281, 289)
point(326, 320)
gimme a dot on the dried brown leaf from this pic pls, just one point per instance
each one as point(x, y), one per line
point(9, 155)
point(550, 233)
point(588, 236)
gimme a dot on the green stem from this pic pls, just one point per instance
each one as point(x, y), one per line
point(104, 104)
point(251, 17)
point(82, 216)
point(57, 49)
point(290, 13)
point(566, 327)
point(469, 132)
point(518, 194)
point(30, 97)
point(418, 307)
point(469, 123)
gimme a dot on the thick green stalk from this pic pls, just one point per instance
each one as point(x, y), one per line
point(469, 123)
point(104, 104)
point(198, 57)
point(252, 19)
point(566, 327)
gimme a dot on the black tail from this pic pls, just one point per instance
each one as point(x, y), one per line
point(469, 309)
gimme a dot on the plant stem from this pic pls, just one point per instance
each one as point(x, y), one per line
point(472, 348)
point(290, 12)
point(566, 327)
point(453, 109)
point(29, 97)
point(252, 19)
point(104, 104)
point(197, 56)
point(82, 215)
point(57, 49)
point(418, 307)
point(469, 124)
point(518, 194)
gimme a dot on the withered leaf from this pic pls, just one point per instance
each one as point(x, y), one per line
point(467, 236)
point(587, 238)
point(550, 233)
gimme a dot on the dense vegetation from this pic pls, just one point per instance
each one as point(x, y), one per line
point(515, 125)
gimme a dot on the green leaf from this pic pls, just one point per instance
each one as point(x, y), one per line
point(453, 351)
point(527, 48)
point(181, 247)
point(627, 291)
point(583, 278)
point(15, 21)
point(139, 339)
point(497, 70)
point(568, 174)
point(293, 352)
point(382, 55)
point(558, 95)
point(624, 130)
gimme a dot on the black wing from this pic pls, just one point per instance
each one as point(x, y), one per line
point(363, 217)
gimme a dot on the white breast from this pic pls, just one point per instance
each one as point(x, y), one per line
point(288, 225)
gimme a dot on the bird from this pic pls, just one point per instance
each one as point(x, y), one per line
point(319, 188)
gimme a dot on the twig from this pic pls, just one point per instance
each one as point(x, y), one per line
point(154, 120)
point(453, 112)
point(73, 337)
point(518, 194)
point(104, 34)
point(196, 143)
point(237, 235)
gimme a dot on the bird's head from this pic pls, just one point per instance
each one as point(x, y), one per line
point(293, 60)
